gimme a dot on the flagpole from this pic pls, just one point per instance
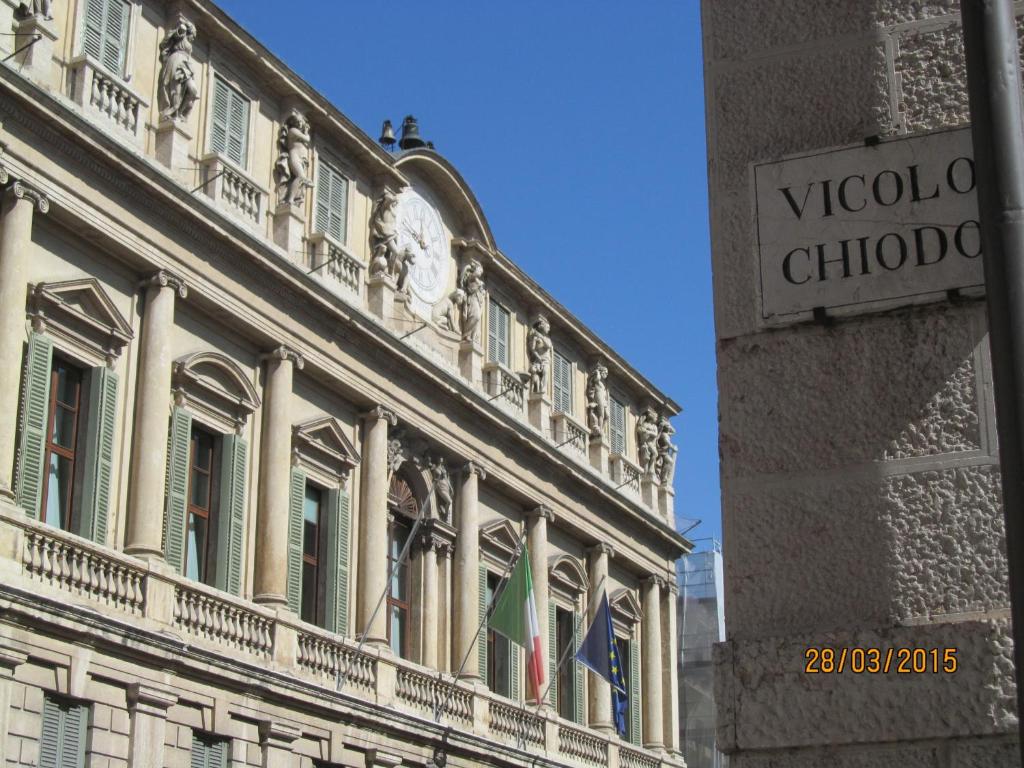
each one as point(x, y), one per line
point(487, 614)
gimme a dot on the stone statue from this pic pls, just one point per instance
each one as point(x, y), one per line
point(438, 760)
point(400, 270)
point(443, 491)
point(33, 8)
point(383, 234)
point(177, 81)
point(471, 281)
point(397, 454)
point(666, 463)
point(538, 352)
point(447, 314)
point(292, 167)
point(597, 399)
point(647, 432)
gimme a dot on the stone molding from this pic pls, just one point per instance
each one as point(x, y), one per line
point(277, 733)
point(436, 535)
point(149, 699)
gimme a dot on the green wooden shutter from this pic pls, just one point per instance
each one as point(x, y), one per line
point(634, 690)
point(105, 32)
point(516, 665)
point(231, 122)
point(492, 331)
point(323, 198)
point(219, 117)
point(35, 401)
point(178, 447)
point(618, 427)
point(579, 704)
point(562, 383)
point(503, 316)
point(76, 721)
point(339, 207)
point(49, 739)
point(92, 31)
point(99, 454)
point(296, 497)
point(231, 514)
point(338, 535)
point(552, 654)
point(481, 639)
point(208, 752)
point(62, 739)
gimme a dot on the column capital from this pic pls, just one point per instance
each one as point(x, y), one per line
point(283, 352)
point(4, 175)
point(603, 548)
point(437, 536)
point(381, 412)
point(474, 468)
point(24, 191)
point(542, 511)
point(654, 581)
point(150, 699)
point(165, 279)
point(673, 588)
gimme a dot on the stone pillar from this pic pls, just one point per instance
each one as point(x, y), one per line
point(147, 708)
point(599, 690)
point(670, 666)
point(649, 490)
point(16, 207)
point(290, 229)
point(537, 544)
point(373, 526)
point(650, 658)
point(36, 60)
point(599, 452)
point(539, 410)
point(276, 744)
point(467, 577)
point(172, 147)
point(144, 533)
point(10, 660)
point(471, 362)
point(380, 293)
point(270, 583)
point(429, 624)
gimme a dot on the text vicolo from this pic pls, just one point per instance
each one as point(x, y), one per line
point(908, 245)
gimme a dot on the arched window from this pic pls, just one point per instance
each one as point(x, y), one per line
point(403, 508)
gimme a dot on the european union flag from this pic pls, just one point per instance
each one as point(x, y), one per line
point(599, 653)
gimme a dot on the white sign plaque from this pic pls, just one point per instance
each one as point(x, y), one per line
point(867, 226)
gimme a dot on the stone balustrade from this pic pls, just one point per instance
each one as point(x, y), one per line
point(519, 724)
point(223, 620)
point(433, 693)
point(636, 758)
point(232, 190)
point(582, 745)
point(106, 96)
point(334, 660)
point(505, 388)
point(568, 433)
point(335, 265)
point(625, 474)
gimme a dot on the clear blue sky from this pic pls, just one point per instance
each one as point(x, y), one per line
point(579, 124)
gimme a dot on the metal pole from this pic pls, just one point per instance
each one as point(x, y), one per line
point(993, 84)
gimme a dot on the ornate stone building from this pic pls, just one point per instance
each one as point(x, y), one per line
point(248, 357)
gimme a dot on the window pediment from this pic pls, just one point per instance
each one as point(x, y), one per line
point(81, 313)
point(626, 607)
point(566, 574)
point(213, 385)
point(322, 445)
point(500, 540)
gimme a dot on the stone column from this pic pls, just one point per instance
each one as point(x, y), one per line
point(16, 207)
point(670, 662)
point(599, 690)
point(428, 652)
point(10, 660)
point(276, 740)
point(467, 577)
point(144, 533)
point(270, 583)
point(537, 543)
point(650, 658)
point(373, 526)
point(147, 708)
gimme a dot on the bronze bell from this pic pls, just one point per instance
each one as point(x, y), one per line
point(411, 134)
point(387, 136)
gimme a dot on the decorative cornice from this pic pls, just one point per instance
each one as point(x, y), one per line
point(438, 536)
point(23, 191)
point(474, 468)
point(283, 352)
point(381, 412)
point(604, 548)
point(164, 279)
point(543, 512)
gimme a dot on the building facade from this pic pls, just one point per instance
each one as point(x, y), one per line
point(860, 471)
point(276, 417)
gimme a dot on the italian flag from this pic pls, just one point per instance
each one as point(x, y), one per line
point(515, 617)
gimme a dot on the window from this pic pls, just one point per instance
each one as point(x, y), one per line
point(617, 424)
point(562, 384)
point(229, 125)
point(398, 592)
point(625, 651)
point(64, 418)
point(201, 544)
point(331, 203)
point(499, 650)
point(105, 33)
point(62, 740)
point(312, 549)
point(497, 333)
point(208, 751)
point(564, 649)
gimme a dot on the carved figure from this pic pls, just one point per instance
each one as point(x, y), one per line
point(447, 314)
point(396, 454)
point(177, 80)
point(666, 452)
point(538, 352)
point(597, 399)
point(33, 8)
point(383, 234)
point(471, 281)
point(438, 760)
point(647, 432)
point(443, 491)
point(400, 270)
point(292, 166)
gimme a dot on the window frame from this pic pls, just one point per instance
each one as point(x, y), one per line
point(565, 703)
point(66, 707)
point(556, 406)
point(613, 402)
point(125, 66)
point(211, 514)
point(318, 605)
point(334, 169)
point(496, 308)
point(232, 85)
point(495, 641)
point(398, 522)
point(73, 523)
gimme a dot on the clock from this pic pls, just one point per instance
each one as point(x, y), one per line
point(420, 229)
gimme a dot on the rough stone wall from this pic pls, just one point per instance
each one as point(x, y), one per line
point(860, 482)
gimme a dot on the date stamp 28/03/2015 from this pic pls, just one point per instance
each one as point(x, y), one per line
point(880, 661)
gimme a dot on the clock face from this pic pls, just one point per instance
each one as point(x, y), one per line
point(420, 229)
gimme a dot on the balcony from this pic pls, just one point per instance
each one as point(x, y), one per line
point(505, 388)
point(80, 574)
point(106, 99)
point(233, 191)
point(570, 435)
point(336, 267)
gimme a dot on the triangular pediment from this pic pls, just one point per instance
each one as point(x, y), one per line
point(625, 606)
point(501, 538)
point(328, 434)
point(83, 307)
